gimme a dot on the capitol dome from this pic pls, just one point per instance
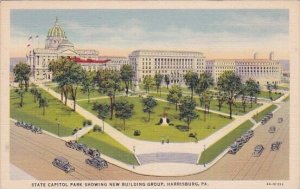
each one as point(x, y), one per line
point(56, 31)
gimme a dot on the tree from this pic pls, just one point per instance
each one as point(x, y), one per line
point(43, 103)
point(102, 112)
point(207, 98)
point(191, 80)
point(269, 87)
point(187, 110)
point(21, 93)
point(110, 85)
point(158, 78)
point(88, 83)
point(149, 103)
point(34, 91)
point(252, 89)
point(148, 82)
point(167, 80)
point(230, 84)
point(22, 73)
point(126, 76)
point(124, 110)
point(204, 83)
point(175, 95)
point(243, 92)
point(221, 97)
point(275, 87)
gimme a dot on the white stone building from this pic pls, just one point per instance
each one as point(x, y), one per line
point(260, 70)
point(173, 63)
point(57, 45)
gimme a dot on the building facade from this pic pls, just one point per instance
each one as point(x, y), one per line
point(57, 45)
point(175, 64)
point(261, 70)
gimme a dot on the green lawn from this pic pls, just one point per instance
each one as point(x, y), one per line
point(152, 132)
point(237, 108)
point(262, 114)
point(265, 94)
point(108, 146)
point(217, 148)
point(55, 113)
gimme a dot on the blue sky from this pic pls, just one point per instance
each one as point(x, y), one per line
point(118, 32)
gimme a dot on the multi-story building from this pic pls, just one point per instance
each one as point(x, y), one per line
point(57, 45)
point(261, 70)
point(173, 63)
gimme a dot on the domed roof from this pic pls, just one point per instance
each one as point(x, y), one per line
point(56, 31)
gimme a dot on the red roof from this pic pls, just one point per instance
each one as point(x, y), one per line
point(89, 61)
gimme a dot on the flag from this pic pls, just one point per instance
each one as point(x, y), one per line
point(30, 38)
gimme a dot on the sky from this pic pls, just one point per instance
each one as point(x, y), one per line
point(218, 33)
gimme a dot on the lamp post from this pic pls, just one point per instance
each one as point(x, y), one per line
point(58, 128)
point(133, 149)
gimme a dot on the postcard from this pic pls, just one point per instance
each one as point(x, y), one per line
point(149, 94)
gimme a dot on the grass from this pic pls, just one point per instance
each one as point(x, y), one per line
point(55, 113)
point(262, 114)
point(237, 108)
point(217, 148)
point(152, 132)
point(265, 94)
point(108, 146)
point(286, 98)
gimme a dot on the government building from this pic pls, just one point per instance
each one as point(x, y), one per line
point(173, 63)
point(57, 45)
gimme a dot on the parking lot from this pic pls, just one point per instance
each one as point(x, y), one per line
point(34, 153)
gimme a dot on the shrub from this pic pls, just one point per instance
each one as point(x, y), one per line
point(192, 135)
point(168, 120)
point(97, 128)
point(87, 122)
point(137, 133)
point(160, 121)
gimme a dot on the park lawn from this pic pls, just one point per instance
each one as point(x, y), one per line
point(217, 148)
point(109, 147)
point(55, 113)
point(152, 132)
point(265, 94)
point(262, 114)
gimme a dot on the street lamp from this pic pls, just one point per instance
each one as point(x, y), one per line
point(133, 149)
point(58, 128)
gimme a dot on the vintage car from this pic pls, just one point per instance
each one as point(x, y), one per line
point(27, 126)
point(280, 120)
point(233, 148)
point(270, 115)
point(258, 150)
point(75, 145)
point(272, 129)
point(240, 142)
point(98, 163)
point(249, 134)
point(275, 145)
point(91, 152)
point(36, 130)
point(63, 164)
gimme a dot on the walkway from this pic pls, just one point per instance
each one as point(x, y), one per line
point(139, 147)
point(168, 157)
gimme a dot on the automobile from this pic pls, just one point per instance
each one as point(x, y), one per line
point(91, 152)
point(280, 120)
point(245, 138)
point(98, 163)
point(18, 123)
point(275, 145)
point(258, 150)
point(36, 130)
point(249, 134)
point(272, 129)
point(63, 164)
point(270, 115)
point(233, 148)
point(27, 126)
point(240, 142)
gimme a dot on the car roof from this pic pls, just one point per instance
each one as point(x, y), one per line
point(60, 158)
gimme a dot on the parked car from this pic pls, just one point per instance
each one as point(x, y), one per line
point(36, 130)
point(249, 134)
point(98, 163)
point(258, 150)
point(63, 164)
point(75, 145)
point(272, 129)
point(91, 152)
point(240, 142)
point(233, 148)
point(275, 145)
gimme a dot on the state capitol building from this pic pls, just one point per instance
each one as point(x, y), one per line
point(149, 62)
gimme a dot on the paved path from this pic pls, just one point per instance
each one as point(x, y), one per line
point(146, 147)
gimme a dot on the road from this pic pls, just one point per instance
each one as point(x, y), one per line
point(34, 153)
